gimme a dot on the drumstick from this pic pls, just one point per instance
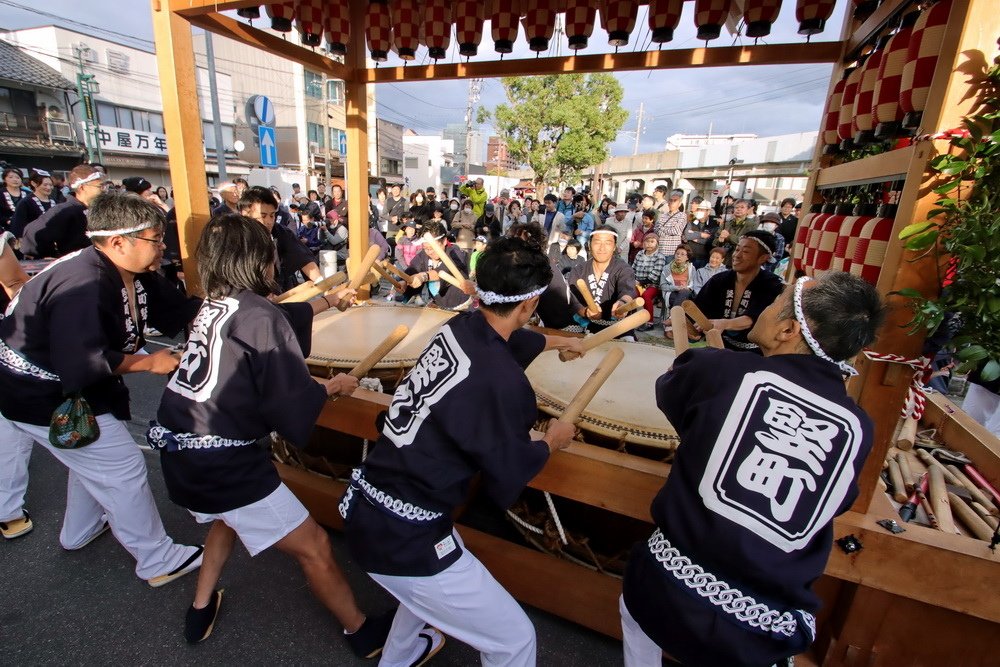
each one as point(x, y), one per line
point(394, 269)
point(366, 266)
point(308, 290)
point(637, 302)
point(985, 515)
point(443, 256)
point(385, 347)
point(971, 520)
point(694, 312)
point(938, 494)
point(385, 274)
point(678, 326)
point(581, 285)
point(714, 338)
point(593, 383)
point(617, 329)
point(448, 278)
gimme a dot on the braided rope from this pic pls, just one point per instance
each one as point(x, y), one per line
point(555, 518)
point(916, 397)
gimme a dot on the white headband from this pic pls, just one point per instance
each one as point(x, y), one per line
point(120, 232)
point(813, 344)
point(42, 172)
point(87, 179)
point(762, 244)
point(490, 298)
point(604, 231)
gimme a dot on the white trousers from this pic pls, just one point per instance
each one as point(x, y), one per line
point(107, 481)
point(984, 406)
point(464, 602)
point(640, 650)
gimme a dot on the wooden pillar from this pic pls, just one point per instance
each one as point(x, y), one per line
point(182, 122)
point(356, 166)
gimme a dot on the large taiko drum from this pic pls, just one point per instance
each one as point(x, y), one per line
point(341, 340)
point(624, 409)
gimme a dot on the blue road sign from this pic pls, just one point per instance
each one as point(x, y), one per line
point(268, 146)
point(343, 143)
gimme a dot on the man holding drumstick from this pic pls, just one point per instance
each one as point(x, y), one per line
point(770, 449)
point(466, 408)
point(608, 278)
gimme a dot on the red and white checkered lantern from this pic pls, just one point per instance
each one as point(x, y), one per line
point(812, 15)
point(869, 253)
point(469, 17)
point(406, 20)
point(539, 23)
point(281, 15)
point(864, 125)
point(845, 120)
point(378, 29)
point(921, 60)
point(664, 15)
point(886, 114)
point(710, 16)
point(826, 243)
point(504, 19)
point(580, 17)
point(801, 234)
point(437, 27)
point(847, 240)
point(249, 12)
point(759, 16)
point(618, 19)
point(831, 117)
point(864, 8)
point(309, 14)
point(337, 26)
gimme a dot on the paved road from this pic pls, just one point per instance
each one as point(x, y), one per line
point(87, 607)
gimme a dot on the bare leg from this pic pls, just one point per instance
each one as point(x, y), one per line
point(218, 546)
point(310, 545)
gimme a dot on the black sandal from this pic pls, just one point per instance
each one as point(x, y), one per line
point(198, 623)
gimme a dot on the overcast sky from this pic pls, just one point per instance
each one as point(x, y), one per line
point(763, 100)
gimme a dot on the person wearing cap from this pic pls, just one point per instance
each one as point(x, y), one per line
point(63, 228)
point(734, 299)
point(734, 228)
point(140, 186)
point(407, 245)
point(770, 222)
point(424, 269)
point(610, 279)
point(73, 331)
point(671, 219)
point(622, 224)
point(476, 193)
point(478, 248)
point(489, 224)
point(34, 205)
point(230, 195)
point(465, 411)
point(770, 450)
point(698, 234)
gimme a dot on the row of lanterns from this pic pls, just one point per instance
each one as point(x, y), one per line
point(884, 95)
point(404, 25)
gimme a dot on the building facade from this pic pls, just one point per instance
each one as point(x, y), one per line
point(389, 152)
point(498, 158)
point(424, 157)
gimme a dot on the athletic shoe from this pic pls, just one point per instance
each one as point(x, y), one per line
point(435, 642)
point(368, 640)
point(190, 565)
point(198, 623)
point(17, 527)
point(93, 537)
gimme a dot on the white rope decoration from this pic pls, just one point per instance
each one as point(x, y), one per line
point(42, 173)
point(490, 298)
point(762, 244)
point(555, 518)
point(811, 341)
point(121, 232)
point(96, 176)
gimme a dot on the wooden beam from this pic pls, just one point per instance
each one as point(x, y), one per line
point(873, 169)
point(356, 169)
point(271, 43)
point(190, 8)
point(887, 13)
point(723, 56)
point(182, 122)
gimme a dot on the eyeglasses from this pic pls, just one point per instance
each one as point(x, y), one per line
point(157, 240)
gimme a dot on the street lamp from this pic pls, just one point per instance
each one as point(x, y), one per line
point(732, 166)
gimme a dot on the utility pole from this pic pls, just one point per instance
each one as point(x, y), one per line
point(213, 91)
point(326, 134)
point(638, 129)
point(475, 90)
point(86, 88)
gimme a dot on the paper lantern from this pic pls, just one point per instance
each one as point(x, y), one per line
point(378, 29)
point(845, 120)
point(825, 243)
point(869, 253)
point(799, 248)
point(814, 225)
point(437, 27)
point(337, 26)
point(539, 23)
point(249, 13)
point(406, 20)
point(759, 16)
point(921, 61)
point(309, 14)
point(618, 19)
point(469, 17)
point(710, 16)
point(664, 15)
point(580, 17)
point(281, 15)
point(831, 117)
point(864, 127)
point(504, 19)
point(847, 239)
point(812, 15)
point(886, 114)
point(864, 8)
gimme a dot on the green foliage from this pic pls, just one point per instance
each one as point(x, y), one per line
point(560, 124)
point(964, 227)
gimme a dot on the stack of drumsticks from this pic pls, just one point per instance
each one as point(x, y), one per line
point(941, 488)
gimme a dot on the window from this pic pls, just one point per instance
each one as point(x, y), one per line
point(411, 162)
point(16, 101)
point(314, 85)
point(156, 122)
point(106, 114)
point(314, 134)
point(391, 167)
point(228, 138)
point(335, 91)
point(125, 119)
point(117, 62)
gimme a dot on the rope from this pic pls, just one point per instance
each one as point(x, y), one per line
point(916, 396)
point(555, 518)
point(524, 524)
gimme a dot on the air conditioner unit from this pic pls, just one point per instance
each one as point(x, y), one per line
point(53, 113)
point(61, 130)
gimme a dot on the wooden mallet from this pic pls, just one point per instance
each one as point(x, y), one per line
point(398, 286)
point(714, 339)
point(590, 387)
point(626, 308)
point(309, 289)
point(361, 275)
point(694, 312)
point(450, 279)
point(588, 298)
point(443, 256)
point(678, 326)
point(362, 368)
point(617, 329)
point(392, 268)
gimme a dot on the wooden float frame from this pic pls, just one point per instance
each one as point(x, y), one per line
point(865, 588)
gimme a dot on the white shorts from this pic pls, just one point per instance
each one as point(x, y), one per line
point(265, 522)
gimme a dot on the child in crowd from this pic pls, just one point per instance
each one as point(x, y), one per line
point(478, 248)
point(408, 245)
point(648, 266)
point(639, 235)
point(570, 257)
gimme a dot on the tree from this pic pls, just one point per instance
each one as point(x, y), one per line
point(560, 124)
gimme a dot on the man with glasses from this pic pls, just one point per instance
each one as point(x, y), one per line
point(62, 229)
point(73, 331)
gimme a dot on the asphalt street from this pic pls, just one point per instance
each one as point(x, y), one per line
point(88, 607)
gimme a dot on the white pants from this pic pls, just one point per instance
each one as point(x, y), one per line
point(984, 406)
point(464, 602)
point(107, 481)
point(264, 523)
point(640, 650)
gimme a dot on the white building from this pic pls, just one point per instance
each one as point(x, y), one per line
point(423, 158)
point(681, 141)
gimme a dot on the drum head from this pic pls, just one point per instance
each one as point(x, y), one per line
point(341, 340)
point(624, 407)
